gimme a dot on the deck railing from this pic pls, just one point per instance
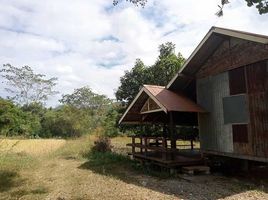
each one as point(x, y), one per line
point(158, 148)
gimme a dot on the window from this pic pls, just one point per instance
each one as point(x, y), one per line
point(240, 133)
point(237, 81)
point(235, 109)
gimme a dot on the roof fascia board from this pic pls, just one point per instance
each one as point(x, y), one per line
point(191, 56)
point(130, 106)
point(244, 36)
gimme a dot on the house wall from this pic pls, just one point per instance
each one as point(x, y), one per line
point(233, 53)
point(237, 122)
point(214, 134)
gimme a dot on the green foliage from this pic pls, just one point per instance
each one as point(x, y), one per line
point(165, 67)
point(135, 2)
point(261, 5)
point(25, 86)
point(66, 121)
point(84, 98)
point(132, 81)
point(102, 144)
point(110, 121)
point(15, 122)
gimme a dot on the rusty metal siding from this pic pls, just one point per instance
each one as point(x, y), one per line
point(214, 134)
point(237, 81)
point(240, 133)
point(231, 54)
point(257, 81)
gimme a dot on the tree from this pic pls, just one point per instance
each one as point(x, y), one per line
point(135, 2)
point(25, 86)
point(66, 121)
point(167, 64)
point(132, 81)
point(261, 5)
point(13, 121)
point(94, 106)
point(165, 67)
point(85, 98)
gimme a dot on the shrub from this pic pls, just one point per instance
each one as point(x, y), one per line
point(102, 144)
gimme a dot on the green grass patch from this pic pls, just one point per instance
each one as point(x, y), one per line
point(73, 149)
point(17, 161)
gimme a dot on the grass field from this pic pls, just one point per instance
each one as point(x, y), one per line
point(67, 169)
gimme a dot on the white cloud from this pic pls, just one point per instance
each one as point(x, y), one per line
point(92, 43)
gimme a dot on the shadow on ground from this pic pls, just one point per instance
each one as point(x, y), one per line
point(182, 186)
point(8, 180)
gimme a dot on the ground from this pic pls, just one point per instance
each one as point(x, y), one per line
point(60, 169)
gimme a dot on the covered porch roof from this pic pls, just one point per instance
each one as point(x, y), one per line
point(152, 103)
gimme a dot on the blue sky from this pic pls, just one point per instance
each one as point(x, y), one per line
point(92, 42)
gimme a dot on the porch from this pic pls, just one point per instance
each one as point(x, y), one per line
point(158, 150)
point(170, 112)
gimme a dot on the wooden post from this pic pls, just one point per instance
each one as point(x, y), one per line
point(145, 144)
point(192, 144)
point(141, 144)
point(172, 135)
point(164, 144)
point(133, 147)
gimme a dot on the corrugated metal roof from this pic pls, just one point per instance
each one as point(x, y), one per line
point(167, 101)
point(173, 101)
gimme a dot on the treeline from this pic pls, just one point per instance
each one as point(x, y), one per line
point(24, 113)
point(35, 120)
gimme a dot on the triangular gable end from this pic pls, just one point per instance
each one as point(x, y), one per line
point(208, 45)
point(156, 104)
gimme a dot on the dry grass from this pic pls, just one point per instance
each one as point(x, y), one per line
point(34, 147)
point(68, 170)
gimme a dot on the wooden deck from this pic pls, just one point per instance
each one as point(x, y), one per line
point(158, 150)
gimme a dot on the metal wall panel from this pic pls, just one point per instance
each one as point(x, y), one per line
point(257, 80)
point(235, 109)
point(214, 134)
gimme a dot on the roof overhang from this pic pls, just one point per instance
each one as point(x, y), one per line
point(166, 100)
point(208, 45)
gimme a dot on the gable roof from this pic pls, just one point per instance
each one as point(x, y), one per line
point(208, 45)
point(164, 98)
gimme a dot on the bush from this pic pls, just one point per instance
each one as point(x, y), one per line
point(102, 144)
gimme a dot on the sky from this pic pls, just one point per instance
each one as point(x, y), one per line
point(92, 43)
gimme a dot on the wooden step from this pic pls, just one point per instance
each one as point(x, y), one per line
point(196, 169)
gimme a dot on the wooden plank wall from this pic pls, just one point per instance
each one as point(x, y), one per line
point(233, 53)
point(212, 87)
point(257, 85)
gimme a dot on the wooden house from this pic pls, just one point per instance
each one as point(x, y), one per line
point(222, 89)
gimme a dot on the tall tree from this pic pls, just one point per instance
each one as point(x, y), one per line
point(85, 98)
point(132, 81)
point(166, 66)
point(25, 86)
point(91, 104)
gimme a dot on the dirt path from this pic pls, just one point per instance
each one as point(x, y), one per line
point(65, 179)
